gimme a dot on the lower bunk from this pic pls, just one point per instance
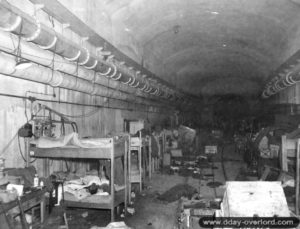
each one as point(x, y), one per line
point(95, 201)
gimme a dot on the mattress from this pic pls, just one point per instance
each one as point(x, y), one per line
point(72, 140)
point(101, 199)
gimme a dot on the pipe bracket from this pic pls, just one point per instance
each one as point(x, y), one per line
point(143, 88)
point(14, 26)
point(288, 78)
point(118, 77)
point(51, 45)
point(155, 92)
point(264, 95)
point(93, 66)
point(37, 33)
point(138, 83)
point(127, 81)
point(295, 81)
point(105, 73)
point(87, 57)
point(114, 72)
point(132, 83)
point(75, 57)
point(147, 91)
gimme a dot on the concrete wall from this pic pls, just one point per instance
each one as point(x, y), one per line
point(12, 115)
point(12, 110)
point(289, 95)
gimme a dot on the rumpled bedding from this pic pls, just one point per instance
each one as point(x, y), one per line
point(78, 187)
point(71, 140)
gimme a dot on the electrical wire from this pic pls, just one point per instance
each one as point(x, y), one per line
point(83, 115)
point(73, 103)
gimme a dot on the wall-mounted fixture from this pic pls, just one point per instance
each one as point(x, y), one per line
point(288, 74)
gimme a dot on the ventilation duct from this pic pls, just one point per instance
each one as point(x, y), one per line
point(288, 74)
point(31, 30)
point(40, 74)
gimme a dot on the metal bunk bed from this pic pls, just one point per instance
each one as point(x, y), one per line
point(115, 147)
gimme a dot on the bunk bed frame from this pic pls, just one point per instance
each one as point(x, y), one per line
point(139, 145)
point(115, 148)
point(290, 149)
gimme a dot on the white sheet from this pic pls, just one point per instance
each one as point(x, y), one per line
point(71, 139)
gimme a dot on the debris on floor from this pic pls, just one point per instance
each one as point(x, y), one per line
point(132, 194)
point(214, 184)
point(85, 214)
point(176, 192)
point(113, 225)
point(130, 210)
point(192, 210)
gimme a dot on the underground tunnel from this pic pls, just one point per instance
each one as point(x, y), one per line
point(149, 114)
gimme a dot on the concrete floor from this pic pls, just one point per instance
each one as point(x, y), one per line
point(150, 212)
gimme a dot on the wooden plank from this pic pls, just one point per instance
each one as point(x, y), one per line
point(140, 163)
point(150, 158)
point(297, 177)
point(85, 203)
point(112, 181)
point(119, 149)
point(129, 170)
point(27, 201)
point(126, 149)
point(284, 166)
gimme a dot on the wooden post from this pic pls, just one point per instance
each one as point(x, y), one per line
point(297, 177)
point(125, 172)
point(112, 181)
point(46, 169)
point(43, 208)
point(140, 161)
point(163, 150)
point(283, 161)
point(27, 149)
point(150, 158)
point(129, 168)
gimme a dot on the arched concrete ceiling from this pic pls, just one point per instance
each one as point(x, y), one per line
point(207, 47)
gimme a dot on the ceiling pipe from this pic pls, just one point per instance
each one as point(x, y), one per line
point(278, 84)
point(15, 21)
point(40, 74)
point(285, 76)
point(33, 53)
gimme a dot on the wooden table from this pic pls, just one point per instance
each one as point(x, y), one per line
point(28, 201)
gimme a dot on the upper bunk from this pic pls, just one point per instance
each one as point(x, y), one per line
point(96, 148)
point(139, 141)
